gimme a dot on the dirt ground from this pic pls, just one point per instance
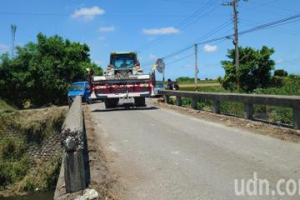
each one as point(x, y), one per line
point(282, 133)
point(101, 178)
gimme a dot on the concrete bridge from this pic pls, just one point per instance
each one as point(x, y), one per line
point(160, 152)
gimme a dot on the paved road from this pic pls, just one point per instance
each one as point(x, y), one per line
point(162, 154)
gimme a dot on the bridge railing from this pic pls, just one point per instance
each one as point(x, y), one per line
point(73, 131)
point(247, 99)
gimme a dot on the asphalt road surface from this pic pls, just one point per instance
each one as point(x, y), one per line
point(162, 154)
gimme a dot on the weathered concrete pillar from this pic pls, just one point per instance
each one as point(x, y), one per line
point(166, 99)
point(74, 171)
point(73, 141)
point(178, 101)
point(248, 111)
point(296, 117)
point(216, 107)
point(194, 103)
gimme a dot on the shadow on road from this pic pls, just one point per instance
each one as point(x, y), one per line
point(125, 109)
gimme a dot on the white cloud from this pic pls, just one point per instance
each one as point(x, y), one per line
point(152, 57)
point(177, 57)
point(107, 29)
point(99, 62)
point(161, 31)
point(279, 61)
point(210, 48)
point(102, 38)
point(189, 65)
point(3, 48)
point(88, 13)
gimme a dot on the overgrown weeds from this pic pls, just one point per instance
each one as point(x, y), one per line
point(20, 129)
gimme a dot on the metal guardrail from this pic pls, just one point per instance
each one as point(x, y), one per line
point(247, 99)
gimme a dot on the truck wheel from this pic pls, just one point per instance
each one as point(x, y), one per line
point(140, 101)
point(111, 103)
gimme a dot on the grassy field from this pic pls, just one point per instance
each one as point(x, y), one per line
point(199, 81)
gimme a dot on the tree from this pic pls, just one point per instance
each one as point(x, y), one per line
point(255, 69)
point(280, 73)
point(41, 72)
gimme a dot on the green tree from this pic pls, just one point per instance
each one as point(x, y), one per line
point(281, 73)
point(255, 69)
point(42, 71)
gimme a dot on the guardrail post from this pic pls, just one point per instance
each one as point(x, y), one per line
point(248, 111)
point(296, 117)
point(194, 103)
point(178, 101)
point(216, 108)
point(166, 99)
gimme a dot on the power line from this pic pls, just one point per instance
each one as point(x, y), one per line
point(107, 15)
point(211, 33)
point(280, 22)
point(181, 25)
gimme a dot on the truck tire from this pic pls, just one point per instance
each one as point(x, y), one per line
point(140, 101)
point(111, 103)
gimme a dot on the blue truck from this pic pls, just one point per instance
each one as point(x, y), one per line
point(79, 89)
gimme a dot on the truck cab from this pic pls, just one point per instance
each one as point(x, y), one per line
point(123, 64)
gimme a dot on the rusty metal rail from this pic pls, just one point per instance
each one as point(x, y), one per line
point(247, 99)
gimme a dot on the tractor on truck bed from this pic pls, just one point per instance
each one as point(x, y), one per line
point(123, 79)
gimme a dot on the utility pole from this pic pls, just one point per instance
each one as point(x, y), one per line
point(196, 66)
point(234, 4)
point(13, 29)
point(236, 43)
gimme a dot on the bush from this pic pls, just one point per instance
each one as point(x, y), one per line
point(14, 164)
point(280, 73)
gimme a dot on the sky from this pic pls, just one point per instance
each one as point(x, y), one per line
point(157, 28)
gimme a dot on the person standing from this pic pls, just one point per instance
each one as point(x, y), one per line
point(176, 86)
point(170, 85)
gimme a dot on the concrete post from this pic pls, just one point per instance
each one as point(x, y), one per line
point(194, 103)
point(296, 117)
point(217, 108)
point(74, 171)
point(178, 101)
point(248, 111)
point(73, 141)
point(166, 99)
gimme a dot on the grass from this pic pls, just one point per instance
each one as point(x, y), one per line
point(18, 172)
point(14, 164)
point(44, 177)
point(199, 82)
point(217, 88)
point(5, 106)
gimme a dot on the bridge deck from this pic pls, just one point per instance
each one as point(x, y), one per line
point(161, 154)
